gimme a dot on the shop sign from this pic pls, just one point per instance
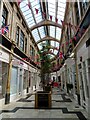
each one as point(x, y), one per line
point(4, 56)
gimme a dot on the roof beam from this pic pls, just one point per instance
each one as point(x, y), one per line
point(48, 38)
point(45, 23)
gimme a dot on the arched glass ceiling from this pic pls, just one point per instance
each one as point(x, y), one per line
point(52, 9)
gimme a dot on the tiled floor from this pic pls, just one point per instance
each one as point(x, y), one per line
point(63, 107)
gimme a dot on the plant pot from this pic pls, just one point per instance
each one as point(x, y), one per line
point(43, 99)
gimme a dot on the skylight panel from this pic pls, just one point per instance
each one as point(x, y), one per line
point(34, 4)
point(39, 46)
point(51, 9)
point(37, 6)
point(55, 52)
point(58, 33)
point(62, 2)
point(52, 43)
point(61, 10)
point(42, 32)
point(31, 23)
point(38, 19)
point(52, 31)
point(57, 45)
point(35, 34)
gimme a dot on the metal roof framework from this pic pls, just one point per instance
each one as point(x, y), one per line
point(36, 12)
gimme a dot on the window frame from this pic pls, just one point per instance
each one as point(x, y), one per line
point(4, 16)
point(17, 34)
point(22, 40)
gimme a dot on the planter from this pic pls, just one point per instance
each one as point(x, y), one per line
point(43, 99)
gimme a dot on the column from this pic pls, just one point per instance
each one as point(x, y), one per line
point(7, 95)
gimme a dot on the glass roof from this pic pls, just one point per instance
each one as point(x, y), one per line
point(36, 11)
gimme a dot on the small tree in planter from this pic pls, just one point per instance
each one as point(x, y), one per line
point(43, 98)
point(45, 64)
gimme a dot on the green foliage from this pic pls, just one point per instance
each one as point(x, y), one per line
point(45, 61)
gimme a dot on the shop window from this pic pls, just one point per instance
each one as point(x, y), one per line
point(4, 16)
point(85, 79)
point(82, 85)
point(3, 78)
point(17, 35)
point(22, 41)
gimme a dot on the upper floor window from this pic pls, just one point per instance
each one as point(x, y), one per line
point(26, 45)
point(4, 16)
point(32, 53)
point(17, 35)
point(22, 41)
point(84, 4)
point(30, 50)
point(77, 13)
